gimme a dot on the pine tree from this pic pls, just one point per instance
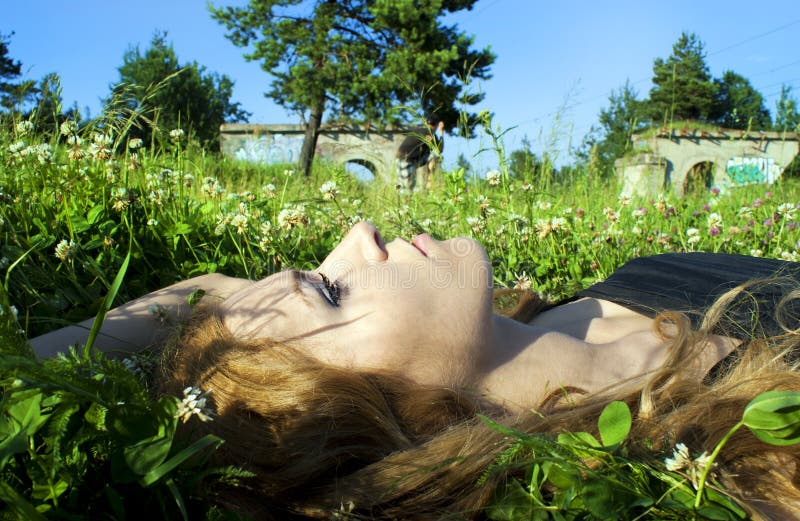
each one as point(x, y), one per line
point(179, 96)
point(787, 117)
point(739, 104)
point(683, 89)
point(12, 94)
point(359, 59)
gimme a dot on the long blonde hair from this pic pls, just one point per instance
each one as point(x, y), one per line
point(319, 437)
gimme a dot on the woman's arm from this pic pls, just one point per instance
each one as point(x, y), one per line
point(140, 323)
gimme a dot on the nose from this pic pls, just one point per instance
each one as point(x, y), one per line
point(363, 243)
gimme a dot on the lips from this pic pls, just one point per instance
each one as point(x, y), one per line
point(422, 243)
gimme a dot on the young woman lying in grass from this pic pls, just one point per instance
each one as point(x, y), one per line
point(359, 385)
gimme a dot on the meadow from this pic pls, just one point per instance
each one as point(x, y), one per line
point(85, 213)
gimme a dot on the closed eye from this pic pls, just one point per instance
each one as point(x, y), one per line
point(331, 291)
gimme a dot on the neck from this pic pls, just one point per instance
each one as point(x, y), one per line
point(525, 364)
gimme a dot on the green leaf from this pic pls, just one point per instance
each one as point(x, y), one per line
point(107, 303)
point(94, 214)
point(18, 503)
point(774, 417)
point(164, 469)
point(578, 440)
point(23, 418)
point(146, 455)
point(598, 496)
point(614, 423)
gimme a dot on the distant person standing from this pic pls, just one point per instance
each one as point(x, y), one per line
point(423, 148)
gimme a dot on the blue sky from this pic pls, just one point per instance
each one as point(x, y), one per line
point(557, 61)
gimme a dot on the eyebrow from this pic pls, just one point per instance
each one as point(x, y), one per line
point(298, 277)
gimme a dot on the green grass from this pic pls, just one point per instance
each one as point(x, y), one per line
point(71, 213)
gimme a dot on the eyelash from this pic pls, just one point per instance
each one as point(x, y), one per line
point(333, 292)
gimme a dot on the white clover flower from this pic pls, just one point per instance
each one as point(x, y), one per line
point(543, 228)
point(493, 177)
point(12, 309)
point(693, 235)
point(476, 224)
point(682, 461)
point(239, 221)
point(610, 214)
point(176, 134)
point(65, 250)
point(135, 143)
point(714, 220)
point(786, 210)
point(288, 172)
point(4, 262)
point(152, 222)
point(756, 253)
point(159, 312)
point(543, 205)
point(328, 190)
point(745, 212)
point(16, 148)
point(268, 191)
point(292, 216)
point(636, 230)
point(68, 127)
point(624, 199)
point(356, 203)
point(523, 281)
point(23, 127)
point(194, 404)
point(638, 213)
point(791, 256)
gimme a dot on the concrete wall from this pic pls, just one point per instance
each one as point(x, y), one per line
point(373, 148)
point(738, 157)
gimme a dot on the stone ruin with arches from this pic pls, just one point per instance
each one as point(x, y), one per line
point(372, 148)
point(689, 159)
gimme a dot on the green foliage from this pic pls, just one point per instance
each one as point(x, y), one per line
point(12, 93)
point(360, 59)
point(624, 117)
point(787, 117)
point(682, 84)
point(187, 97)
point(739, 104)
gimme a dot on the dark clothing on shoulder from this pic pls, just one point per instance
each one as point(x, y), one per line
point(691, 283)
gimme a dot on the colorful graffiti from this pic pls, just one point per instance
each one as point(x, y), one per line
point(271, 148)
point(750, 170)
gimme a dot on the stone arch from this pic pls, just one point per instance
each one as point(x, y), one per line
point(372, 162)
point(699, 176)
point(367, 165)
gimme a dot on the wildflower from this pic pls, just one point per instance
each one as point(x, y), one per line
point(23, 127)
point(159, 312)
point(483, 203)
point(152, 222)
point(745, 212)
point(681, 460)
point(121, 199)
point(786, 210)
point(715, 190)
point(526, 187)
point(65, 250)
point(693, 235)
point(328, 190)
point(12, 309)
point(100, 147)
point(714, 220)
point(176, 134)
point(292, 216)
point(543, 205)
point(579, 213)
point(288, 172)
point(4, 262)
point(16, 148)
point(756, 253)
point(768, 222)
point(791, 256)
point(493, 177)
point(734, 230)
point(636, 230)
point(757, 203)
point(713, 231)
point(135, 143)
point(194, 404)
point(240, 222)
point(68, 127)
point(476, 224)
point(610, 214)
point(356, 203)
point(543, 227)
point(638, 212)
point(523, 281)
point(768, 195)
point(624, 199)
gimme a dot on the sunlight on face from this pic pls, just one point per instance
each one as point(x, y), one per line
point(422, 308)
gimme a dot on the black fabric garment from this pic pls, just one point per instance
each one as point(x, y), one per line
point(691, 282)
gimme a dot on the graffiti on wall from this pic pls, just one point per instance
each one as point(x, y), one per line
point(270, 148)
point(750, 170)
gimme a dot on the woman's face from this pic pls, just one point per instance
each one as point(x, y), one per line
point(421, 308)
